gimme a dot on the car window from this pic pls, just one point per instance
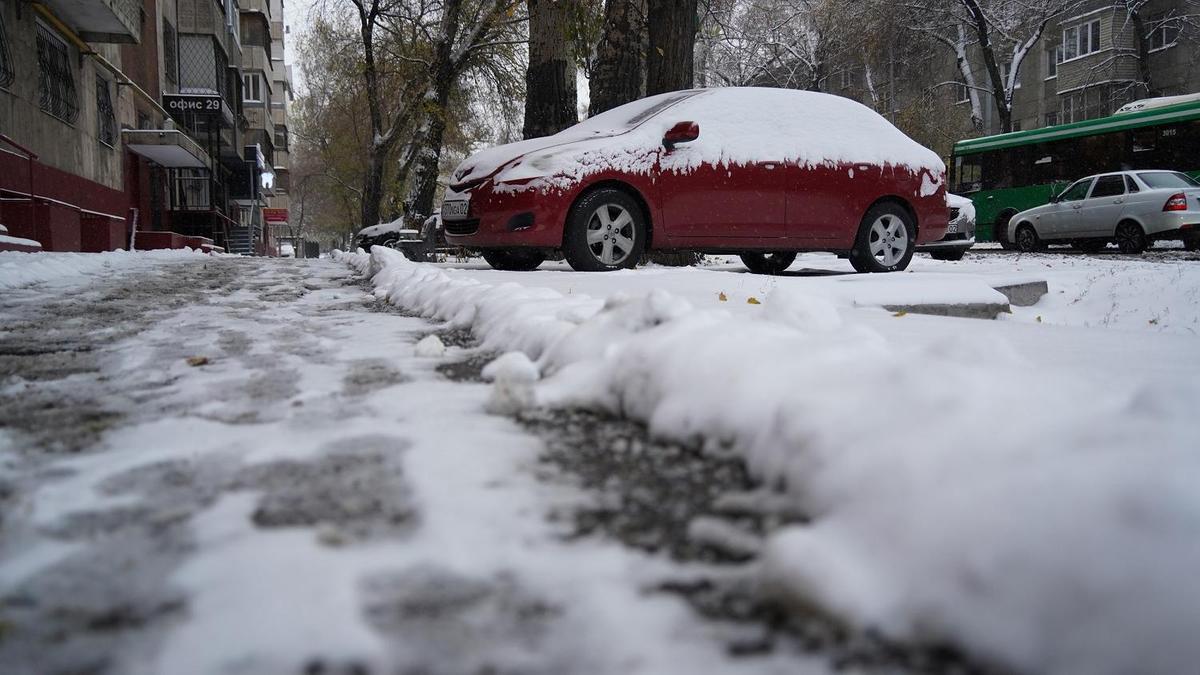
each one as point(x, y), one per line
point(1167, 179)
point(628, 116)
point(1076, 192)
point(1131, 185)
point(1109, 186)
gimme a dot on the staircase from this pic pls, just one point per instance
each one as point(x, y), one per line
point(241, 240)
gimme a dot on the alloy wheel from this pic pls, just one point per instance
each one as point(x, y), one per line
point(611, 234)
point(888, 240)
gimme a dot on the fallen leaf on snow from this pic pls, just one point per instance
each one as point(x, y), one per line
point(722, 297)
point(197, 361)
point(900, 313)
point(752, 301)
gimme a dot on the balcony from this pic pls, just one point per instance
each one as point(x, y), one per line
point(116, 21)
point(255, 6)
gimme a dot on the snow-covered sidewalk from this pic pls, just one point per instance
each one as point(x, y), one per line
point(1021, 490)
point(219, 465)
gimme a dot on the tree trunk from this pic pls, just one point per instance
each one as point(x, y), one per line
point(372, 194)
point(550, 96)
point(672, 26)
point(1143, 52)
point(618, 71)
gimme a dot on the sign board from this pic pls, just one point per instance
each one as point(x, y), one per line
point(275, 215)
point(204, 104)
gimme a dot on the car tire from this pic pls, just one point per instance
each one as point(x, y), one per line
point(1089, 245)
point(514, 259)
point(1027, 239)
point(1131, 239)
point(951, 256)
point(884, 228)
point(768, 263)
point(1191, 242)
point(1000, 231)
point(388, 240)
point(605, 231)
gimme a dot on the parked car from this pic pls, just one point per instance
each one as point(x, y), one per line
point(416, 244)
point(762, 173)
point(1131, 208)
point(960, 233)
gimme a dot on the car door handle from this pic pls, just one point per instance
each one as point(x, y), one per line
point(1118, 201)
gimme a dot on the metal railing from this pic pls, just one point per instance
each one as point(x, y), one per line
point(31, 157)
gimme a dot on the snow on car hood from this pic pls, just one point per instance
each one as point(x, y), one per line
point(966, 207)
point(375, 230)
point(738, 125)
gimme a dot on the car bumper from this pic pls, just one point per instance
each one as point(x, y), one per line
point(963, 242)
point(1174, 225)
point(526, 218)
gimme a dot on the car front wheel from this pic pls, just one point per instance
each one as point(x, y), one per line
point(886, 239)
point(1130, 238)
point(951, 256)
point(767, 263)
point(1027, 239)
point(605, 231)
point(514, 259)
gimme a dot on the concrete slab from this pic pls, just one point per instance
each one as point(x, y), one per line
point(1025, 294)
point(965, 310)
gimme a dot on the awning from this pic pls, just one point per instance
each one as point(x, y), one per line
point(170, 148)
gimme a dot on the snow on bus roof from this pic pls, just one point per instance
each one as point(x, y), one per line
point(1157, 102)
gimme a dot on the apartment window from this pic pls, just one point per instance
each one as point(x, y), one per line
point(1081, 40)
point(7, 74)
point(1052, 60)
point(56, 82)
point(1164, 31)
point(170, 53)
point(198, 73)
point(847, 78)
point(106, 118)
point(281, 138)
point(252, 87)
point(961, 93)
point(1016, 125)
point(1052, 118)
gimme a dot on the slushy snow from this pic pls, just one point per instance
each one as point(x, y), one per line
point(1035, 512)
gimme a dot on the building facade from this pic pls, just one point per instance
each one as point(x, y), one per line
point(1087, 64)
point(122, 124)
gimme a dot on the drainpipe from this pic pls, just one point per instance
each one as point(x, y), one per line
point(86, 50)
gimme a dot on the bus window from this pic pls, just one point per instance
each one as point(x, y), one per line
point(968, 169)
point(1143, 140)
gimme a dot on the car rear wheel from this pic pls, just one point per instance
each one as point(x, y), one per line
point(605, 231)
point(1130, 237)
point(767, 263)
point(514, 259)
point(886, 239)
point(952, 256)
point(1191, 242)
point(1027, 239)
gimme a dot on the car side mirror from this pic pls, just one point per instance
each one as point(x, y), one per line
point(682, 132)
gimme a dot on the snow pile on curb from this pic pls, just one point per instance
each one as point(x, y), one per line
point(22, 269)
point(1043, 519)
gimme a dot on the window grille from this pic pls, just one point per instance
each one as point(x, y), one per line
point(198, 73)
point(106, 118)
point(56, 83)
point(170, 53)
point(7, 74)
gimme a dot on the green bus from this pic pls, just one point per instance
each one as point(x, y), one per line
point(1008, 173)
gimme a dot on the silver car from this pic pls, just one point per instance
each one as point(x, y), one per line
point(1131, 208)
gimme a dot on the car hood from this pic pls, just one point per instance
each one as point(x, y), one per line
point(487, 163)
point(381, 228)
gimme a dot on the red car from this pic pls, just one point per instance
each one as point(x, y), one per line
point(762, 173)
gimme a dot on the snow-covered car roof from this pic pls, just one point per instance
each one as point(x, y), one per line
point(738, 125)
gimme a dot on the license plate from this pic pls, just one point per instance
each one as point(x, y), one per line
point(952, 228)
point(456, 210)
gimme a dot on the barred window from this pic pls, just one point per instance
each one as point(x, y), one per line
point(6, 63)
point(56, 83)
point(106, 118)
point(198, 73)
point(170, 53)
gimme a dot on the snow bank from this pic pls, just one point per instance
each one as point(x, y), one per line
point(1040, 518)
point(738, 126)
point(22, 269)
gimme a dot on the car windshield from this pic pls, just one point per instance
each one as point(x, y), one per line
point(1167, 179)
point(626, 117)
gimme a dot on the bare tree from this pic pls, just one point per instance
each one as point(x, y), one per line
point(550, 94)
point(1138, 34)
point(999, 33)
